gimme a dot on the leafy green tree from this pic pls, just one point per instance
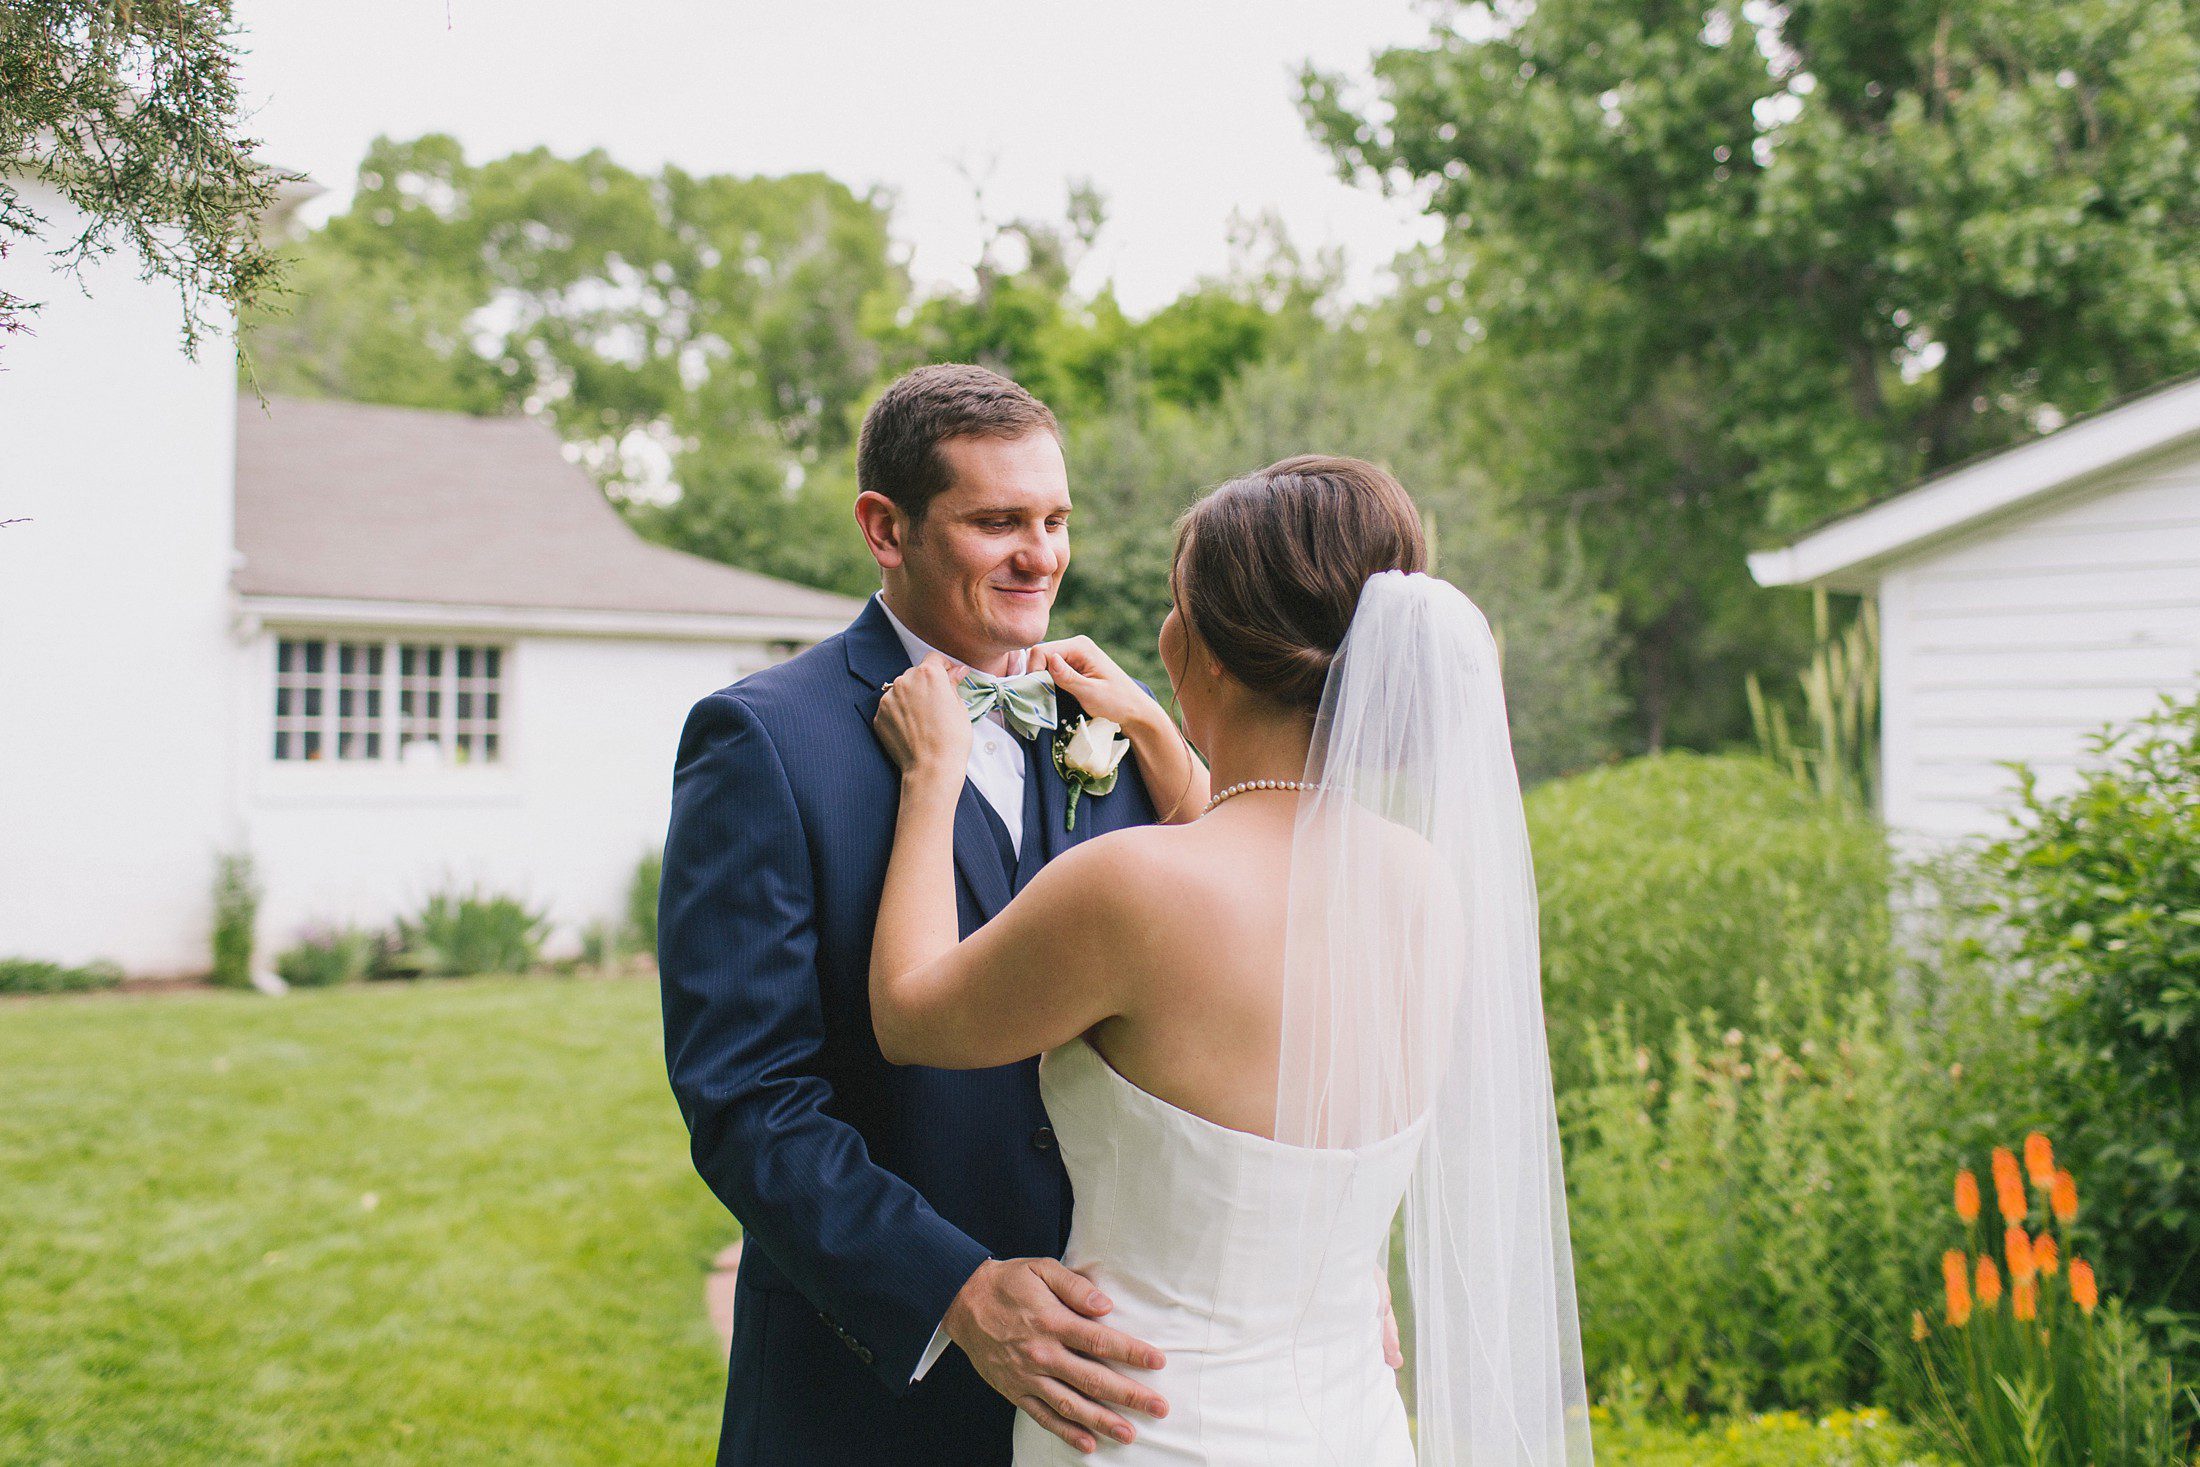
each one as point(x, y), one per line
point(130, 109)
point(1716, 270)
point(1134, 469)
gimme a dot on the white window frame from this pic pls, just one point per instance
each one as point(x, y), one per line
point(389, 723)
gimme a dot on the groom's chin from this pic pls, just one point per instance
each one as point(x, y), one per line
point(1023, 617)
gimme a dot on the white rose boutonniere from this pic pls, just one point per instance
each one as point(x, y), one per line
point(1086, 755)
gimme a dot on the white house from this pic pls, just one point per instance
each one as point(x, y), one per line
point(381, 650)
point(2025, 600)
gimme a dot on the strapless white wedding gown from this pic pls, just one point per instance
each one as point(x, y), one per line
point(1274, 1345)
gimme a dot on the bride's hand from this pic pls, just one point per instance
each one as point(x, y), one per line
point(1101, 687)
point(922, 722)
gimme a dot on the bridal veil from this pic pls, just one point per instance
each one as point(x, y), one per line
point(1413, 998)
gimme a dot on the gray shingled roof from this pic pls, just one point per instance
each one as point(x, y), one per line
point(360, 502)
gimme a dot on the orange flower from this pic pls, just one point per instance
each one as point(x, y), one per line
point(2082, 1287)
point(2009, 1186)
point(1967, 1195)
point(2039, 1159)
point(1989, 1283)
point(2063, 1196)
point(2016, 1243)
point(1918, 1328)
point(1955, 1274)
point(2045, 1256)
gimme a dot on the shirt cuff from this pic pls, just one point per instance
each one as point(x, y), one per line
point(932, 1352)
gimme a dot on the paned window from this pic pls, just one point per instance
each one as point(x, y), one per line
point(415, 702)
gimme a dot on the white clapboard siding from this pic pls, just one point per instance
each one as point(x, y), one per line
point(2019, 640)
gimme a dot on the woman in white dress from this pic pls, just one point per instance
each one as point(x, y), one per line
point(1269, 1031)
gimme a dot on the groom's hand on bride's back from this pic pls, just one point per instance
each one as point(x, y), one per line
point(1028, 1325)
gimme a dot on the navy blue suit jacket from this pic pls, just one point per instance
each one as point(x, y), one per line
point(867, 1192)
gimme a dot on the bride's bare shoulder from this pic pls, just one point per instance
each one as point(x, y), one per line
point(1131, 864)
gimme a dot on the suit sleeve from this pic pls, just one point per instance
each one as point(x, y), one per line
point(744, 1028)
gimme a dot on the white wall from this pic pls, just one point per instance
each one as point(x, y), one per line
point(114, 647)
point(582, 790)
point(2017, 641)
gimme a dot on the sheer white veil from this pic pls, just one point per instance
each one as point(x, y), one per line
point(1413, 994)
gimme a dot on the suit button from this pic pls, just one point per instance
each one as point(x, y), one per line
point(1043, 1139)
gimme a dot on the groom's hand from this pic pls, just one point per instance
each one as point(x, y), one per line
point(1027, 1325)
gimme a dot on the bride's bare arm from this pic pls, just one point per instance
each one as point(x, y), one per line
point(1043, 971)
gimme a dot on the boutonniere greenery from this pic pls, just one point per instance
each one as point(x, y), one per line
point(1087, 754)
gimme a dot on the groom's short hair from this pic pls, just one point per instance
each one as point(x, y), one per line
point(898, 452)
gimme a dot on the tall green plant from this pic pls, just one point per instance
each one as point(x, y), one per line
point(236, 915)
point(640, 932)
point(1838, 758)
point(1747, 1209)
point(2042, 1371)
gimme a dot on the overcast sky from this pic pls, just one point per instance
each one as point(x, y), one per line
point(1181, 111)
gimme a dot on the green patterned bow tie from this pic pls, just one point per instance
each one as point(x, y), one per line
point(1026, 701)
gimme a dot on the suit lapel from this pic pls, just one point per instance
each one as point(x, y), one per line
point(977, 857)
point(875, 658)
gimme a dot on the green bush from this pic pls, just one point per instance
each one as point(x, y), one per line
point(236, 913)
point(1753, 1217)
point(457, 933)
point(2096, 894)
point(1672, 885)
point(29, 975)
point(324, 956)
point(1756, 1209)
point(640, 933)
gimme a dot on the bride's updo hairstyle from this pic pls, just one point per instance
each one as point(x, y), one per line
point(1269, 567)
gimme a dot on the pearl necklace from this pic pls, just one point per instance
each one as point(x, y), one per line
point(1259, 784)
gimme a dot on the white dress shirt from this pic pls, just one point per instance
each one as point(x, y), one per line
point(997, 769)
point(996, 758)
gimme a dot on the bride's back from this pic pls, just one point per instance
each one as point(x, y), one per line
point(1204, 1028)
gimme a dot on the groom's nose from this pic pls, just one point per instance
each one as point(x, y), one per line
point(1040, 556)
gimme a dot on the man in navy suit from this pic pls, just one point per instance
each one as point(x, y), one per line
point(889, 1213)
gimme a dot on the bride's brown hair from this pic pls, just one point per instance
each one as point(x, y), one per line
point(1269, 567)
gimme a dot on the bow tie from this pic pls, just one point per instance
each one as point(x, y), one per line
point(1026, 700)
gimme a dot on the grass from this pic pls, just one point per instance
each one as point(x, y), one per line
point(449, 1223)
point(445, 1223)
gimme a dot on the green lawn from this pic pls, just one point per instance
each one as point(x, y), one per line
point(444, 1223)
point(191, 1270)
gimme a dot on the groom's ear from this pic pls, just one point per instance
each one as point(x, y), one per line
point(885, 530)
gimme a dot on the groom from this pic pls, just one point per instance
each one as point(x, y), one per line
point(888, 1212)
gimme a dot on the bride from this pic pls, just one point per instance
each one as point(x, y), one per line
point(1271, 1031)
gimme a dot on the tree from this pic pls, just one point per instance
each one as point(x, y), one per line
point(130, 109)
point(1718, 270)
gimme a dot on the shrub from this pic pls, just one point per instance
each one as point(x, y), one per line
point(2040, 1373)
point(640, 934)
point(2096, 893)
point(1672, 885)
point(29, 975)
point(456, 933)
point(323, 956)
point(1746, 1209)
point(236, 913)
